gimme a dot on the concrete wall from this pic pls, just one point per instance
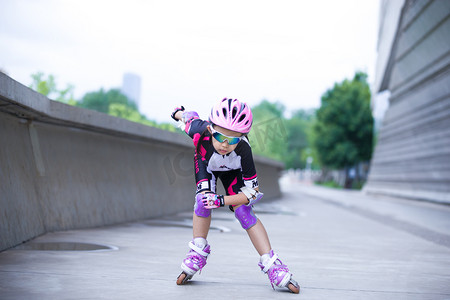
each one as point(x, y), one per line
point(62, 167)
point(412, 156)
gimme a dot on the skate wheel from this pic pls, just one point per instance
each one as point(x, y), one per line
point(182, 278)
point(294, 287)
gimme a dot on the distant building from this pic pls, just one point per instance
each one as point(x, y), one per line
point(131, 87)
point(412, 155)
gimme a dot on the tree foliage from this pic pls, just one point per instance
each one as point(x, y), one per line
point(273, 135)
point(344, 126)
point(115, 103)
point(268, 134)
point(48, 87)
point(298, 146)
point(111, 102)
point(105, 101)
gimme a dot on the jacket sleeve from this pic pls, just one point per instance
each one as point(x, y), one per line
point(202, 177)
point(194, 126)
point(248, 165)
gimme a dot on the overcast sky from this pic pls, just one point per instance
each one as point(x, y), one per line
point(191, 52)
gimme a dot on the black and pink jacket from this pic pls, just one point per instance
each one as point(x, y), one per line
point(235, 169)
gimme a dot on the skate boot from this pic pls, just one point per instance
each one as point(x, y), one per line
point(277, 272)
point(195, 260)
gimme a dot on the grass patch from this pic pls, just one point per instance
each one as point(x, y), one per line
point(331, 184)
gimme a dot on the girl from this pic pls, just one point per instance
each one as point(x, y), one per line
point(223, 151)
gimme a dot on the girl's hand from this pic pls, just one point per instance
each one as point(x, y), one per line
point(211, 201)
point(177, 109)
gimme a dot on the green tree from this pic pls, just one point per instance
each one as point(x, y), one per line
point(48, 87)
point(344, 126)
point(102, 100)
point(297, 145)
point(111, 102)
point(116, 104)
point(311, 151)
point(268, 135)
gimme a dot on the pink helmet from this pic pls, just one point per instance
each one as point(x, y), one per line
point(233, 115)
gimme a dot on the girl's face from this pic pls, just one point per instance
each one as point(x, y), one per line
point(223, 148)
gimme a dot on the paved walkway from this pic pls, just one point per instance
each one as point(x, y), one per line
point(338, 244)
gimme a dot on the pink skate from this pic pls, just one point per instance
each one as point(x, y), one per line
point(195, 260)
point(278, 273)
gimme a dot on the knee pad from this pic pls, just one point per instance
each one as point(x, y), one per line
point(246, 216)
point(199, 209)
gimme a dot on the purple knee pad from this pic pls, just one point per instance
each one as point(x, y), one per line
point(246, 216)
point(199, 209)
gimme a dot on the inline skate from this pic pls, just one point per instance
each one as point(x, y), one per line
point(278, 273)
point(195, 260)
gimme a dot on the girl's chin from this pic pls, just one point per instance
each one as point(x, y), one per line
point(222, 152)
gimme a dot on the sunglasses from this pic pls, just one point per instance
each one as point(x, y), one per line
point(232, 140)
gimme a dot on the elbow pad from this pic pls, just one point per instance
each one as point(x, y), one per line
point(252, 195)
point(189, 115)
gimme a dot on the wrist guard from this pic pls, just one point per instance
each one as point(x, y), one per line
point(252, 195)
point(211, 201)
point(175, 111)
point(218, 200)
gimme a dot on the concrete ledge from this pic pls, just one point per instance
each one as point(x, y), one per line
point(63, 167)
point(432, 196)
point(23, 102)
